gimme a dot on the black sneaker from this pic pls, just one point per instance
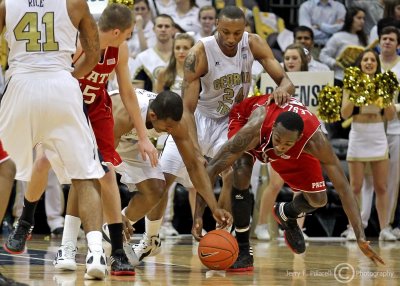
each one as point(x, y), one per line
point(16, 241)
point(120, 264)
point(293, 235)
point(244, 262)
point(9, 282)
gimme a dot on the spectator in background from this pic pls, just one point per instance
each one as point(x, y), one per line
point(143, 36)
point(373, 11)
point(368, 144)
point(391, 13)
point(324, 17)
point(390, 60)
point(305, 36)
point(148, 63)
point(159, 7)
point(207, 16)
point(352, 34)
point(186, 15)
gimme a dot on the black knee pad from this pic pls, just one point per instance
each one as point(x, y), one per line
point(242, 206)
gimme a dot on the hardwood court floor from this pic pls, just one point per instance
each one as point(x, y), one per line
point(326, 262)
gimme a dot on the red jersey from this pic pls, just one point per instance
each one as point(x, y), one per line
point(300, 170)
point(3, 153)
point(99, 105)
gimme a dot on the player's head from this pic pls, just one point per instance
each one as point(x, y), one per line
point(166, 111)
point(287, 130)
point(231, 23)
point(117, 20)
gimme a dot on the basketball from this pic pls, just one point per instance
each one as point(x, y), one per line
point(218, 250)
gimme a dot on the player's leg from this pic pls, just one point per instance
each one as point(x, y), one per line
point(380, 170)
point(65, 258)
point(145, 199)
point(111, 203)
point(7, 174)
point(242, 202)
point(16, 241)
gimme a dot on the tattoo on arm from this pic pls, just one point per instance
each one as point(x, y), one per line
point(190, 62)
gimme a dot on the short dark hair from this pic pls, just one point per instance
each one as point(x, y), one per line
point(303, 29)
point(232, 12)
point(291, 121)
point(115, 16)
point(167, 104)
point(389, 30)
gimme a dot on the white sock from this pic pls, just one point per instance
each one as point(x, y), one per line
point(123, 212)
point(95, 240)
point(72, 225)
point(152, 226)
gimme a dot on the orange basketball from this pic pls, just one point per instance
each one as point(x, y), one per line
point(218, 250)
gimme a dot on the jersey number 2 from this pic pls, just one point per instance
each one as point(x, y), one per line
point(28, 30)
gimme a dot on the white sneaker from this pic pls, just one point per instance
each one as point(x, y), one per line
point(167, 230)
point(387, 235)
point(130, 253)
point(96, 266)
point(262, 232)
point(148, 246)
point(65, 258)
point(396, 232)
point(351, 236)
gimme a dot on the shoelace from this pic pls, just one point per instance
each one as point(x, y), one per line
point(21, 230)
point(69, 251)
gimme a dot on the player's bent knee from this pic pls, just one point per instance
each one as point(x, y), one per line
point(8, 169)
point(42, 164)
point(317, 200)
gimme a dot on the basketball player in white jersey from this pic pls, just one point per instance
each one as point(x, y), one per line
point(43, 103)
point(220, 66)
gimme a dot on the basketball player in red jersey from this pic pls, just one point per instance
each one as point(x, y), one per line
point(115, 26)
point(290, 139)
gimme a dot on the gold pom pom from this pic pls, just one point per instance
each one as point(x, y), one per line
point(329, 98)
point(256, 91)
point(386, 85)
point(128, 3)
point(365, 90)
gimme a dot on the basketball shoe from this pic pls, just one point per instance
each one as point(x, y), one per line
point(65, 258)
point(293, 235)
point(16, 241)
point(244, 262)
point(148, 246)
point(120, 265)
point(96, 266)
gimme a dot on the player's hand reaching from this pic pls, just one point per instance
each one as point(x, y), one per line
point(369, 252)
point(146, 147)
point(223, 218)
point(197, 228)
point(281, 96)
point(127, 228)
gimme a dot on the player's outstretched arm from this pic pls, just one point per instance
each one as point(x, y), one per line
point(195, 165)
point(320, 147)
point(131, 104)
point(245, 139)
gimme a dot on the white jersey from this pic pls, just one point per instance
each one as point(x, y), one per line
point(129, 140)
point(228, 79)
point(50, 48)
point(177, 85)
point(149, 61)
